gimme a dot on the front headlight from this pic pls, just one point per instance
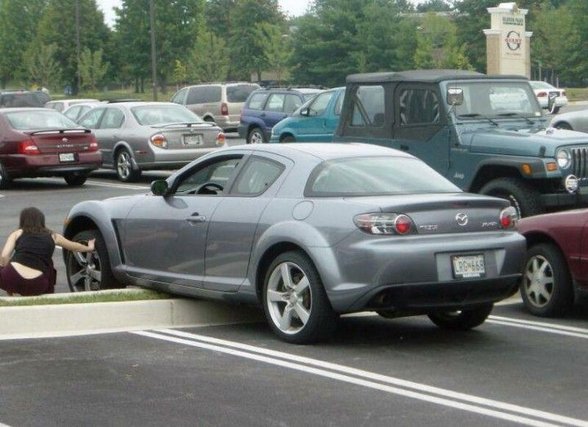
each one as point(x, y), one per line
point(564, 159)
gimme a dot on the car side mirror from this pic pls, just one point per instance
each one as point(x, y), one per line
point(159, 187)
point(455, 96)
point(305, 112)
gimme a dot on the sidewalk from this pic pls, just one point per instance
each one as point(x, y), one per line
point(52, 320)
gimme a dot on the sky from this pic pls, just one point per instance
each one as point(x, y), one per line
point(289, 7)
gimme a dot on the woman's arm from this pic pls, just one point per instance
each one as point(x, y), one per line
point(73, 246)
point(9, 247)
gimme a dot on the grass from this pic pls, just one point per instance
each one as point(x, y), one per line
point(115, 295)
point(577, 94)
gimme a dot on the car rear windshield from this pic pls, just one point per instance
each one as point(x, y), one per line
point(368, 176)
point(22, 99)
point(239, 93)
point(37, 120)
point(148, 115)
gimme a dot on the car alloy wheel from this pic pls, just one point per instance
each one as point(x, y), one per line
point(295, 302)
point(124, 167)
point(255, 136)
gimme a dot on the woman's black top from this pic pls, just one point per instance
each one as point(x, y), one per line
point(35, 250)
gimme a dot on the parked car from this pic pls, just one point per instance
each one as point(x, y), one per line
point(137, 136)
point(308, 231)
point(63, 104)
point(76, 111)
point(38, 142)
point(544, 91)
point(266, 107)
point(314, 121)
point(23, 98)
point(220, 103)
point(556, 267)
point(573, 120)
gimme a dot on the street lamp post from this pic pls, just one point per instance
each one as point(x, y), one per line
point(153, 53)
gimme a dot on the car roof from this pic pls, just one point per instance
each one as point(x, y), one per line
point(27, 109)
point(325, 151)
point(432, 76)
point(131, 104)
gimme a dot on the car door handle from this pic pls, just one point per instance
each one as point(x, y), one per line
point(195, 218)
point(404, 147)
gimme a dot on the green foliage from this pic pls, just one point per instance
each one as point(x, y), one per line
point(42, 66)
point(209, 60)
point(275, 47)
point(92, 68)
point(437, 44)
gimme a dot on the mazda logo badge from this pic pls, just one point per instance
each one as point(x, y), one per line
point(461, 218)
point(64, 140)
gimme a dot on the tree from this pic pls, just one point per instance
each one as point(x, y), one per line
point(433, 6)
point(276, 48)
point(41, 65)
point(92, 68)
point(18, 25)
point(209, 60)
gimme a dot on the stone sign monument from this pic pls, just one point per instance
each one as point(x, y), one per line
point(508, 49)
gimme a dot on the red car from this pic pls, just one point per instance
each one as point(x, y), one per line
point(38, 142)
point(556, 268)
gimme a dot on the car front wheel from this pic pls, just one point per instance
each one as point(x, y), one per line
point(255, 136)
point(461, 320)
point(546, 288)
point(75, 179)
point(89, 271)
point(294, 300)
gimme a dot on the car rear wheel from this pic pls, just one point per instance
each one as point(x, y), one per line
point(294, 300)
point(255, 136)
point(461, 320)
point(524, 198)
point(546, 287)
point(89, 271)
point(75, 179)
point(4, 178)
point(288, 138)
point(124, 167)
point(563, 125)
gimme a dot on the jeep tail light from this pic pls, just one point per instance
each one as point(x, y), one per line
point(508, 217)
point(541, 94)
point(159, 140)
point(220, 139)
point(385, 223)
point(28, 147)
point(224, 109)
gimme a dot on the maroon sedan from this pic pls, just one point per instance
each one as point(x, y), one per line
point(38, 142)
point(556, 268)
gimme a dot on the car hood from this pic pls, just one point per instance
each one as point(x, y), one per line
point(532, 141)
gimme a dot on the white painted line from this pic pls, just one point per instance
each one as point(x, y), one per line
point(537, 328)
point(343, 373)
point(544, 324)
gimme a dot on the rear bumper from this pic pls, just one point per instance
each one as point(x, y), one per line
point(21, 166)
point(227, 123)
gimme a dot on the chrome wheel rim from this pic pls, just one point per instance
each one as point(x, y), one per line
point(289, 298)
point(123, 165)
point(538, 283)
point(84, 271)
point(256, 137)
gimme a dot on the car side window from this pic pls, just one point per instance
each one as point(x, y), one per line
point(210, 179)
point(257, 176)
point(73, 112)
point(204, 94)
point(92, 118)
point(291, 103)
point(319, 105)
point(257, 101)
point(180, 96)
point(276, 102)
point(339, 104)
point(418, 106)
point(368, 108)
point(113, 119)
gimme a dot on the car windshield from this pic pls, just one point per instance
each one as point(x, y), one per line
point(36, 120)
point(541, 85)
point(148, 115)
point(368, 176)
point(494, 99)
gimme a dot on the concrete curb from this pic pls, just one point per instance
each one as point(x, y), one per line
point(55, 320)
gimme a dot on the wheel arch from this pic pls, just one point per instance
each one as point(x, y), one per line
point(285, 135)
point(558, 123)
point(491, 171)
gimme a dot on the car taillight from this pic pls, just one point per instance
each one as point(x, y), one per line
point(508, 217)
point(541, 94)
point(159, 140)
point(220, 139)
point(224, 109)
point(28, 147)
point(93, 144)
point(384, 223)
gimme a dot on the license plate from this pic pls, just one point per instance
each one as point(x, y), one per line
point(192, 139)
point(67, 157)
point(468, 266)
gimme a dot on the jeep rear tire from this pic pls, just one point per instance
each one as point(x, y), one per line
point(524, 198)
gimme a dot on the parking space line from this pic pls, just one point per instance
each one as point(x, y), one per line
point(423, 392)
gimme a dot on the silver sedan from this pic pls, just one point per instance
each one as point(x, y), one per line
point(307, 231)
point(137, 136)
point(573, 120)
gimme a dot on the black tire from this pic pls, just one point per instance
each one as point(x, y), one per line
point(563, 125)
point(554, 109)
point(75, 179)
point(5, 180)
point(318, 319)
point(255, 136)
point(546, 287)
point(288, 138)
point(461, 320)
point(123, 164)
point(524, 198)
point(89, 271)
